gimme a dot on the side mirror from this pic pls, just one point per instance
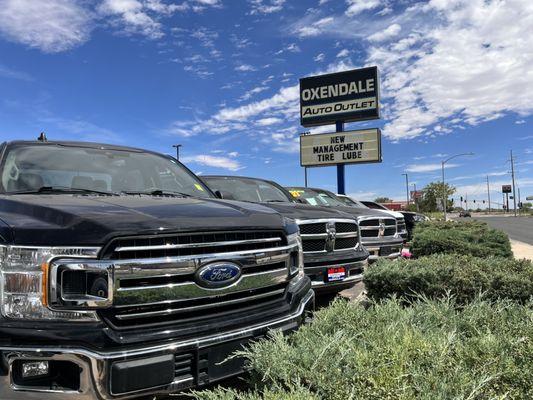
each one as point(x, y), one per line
point(222, 194)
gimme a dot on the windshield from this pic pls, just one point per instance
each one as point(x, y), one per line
point(351, 202)
point(375, 206)
point(315, 198)
point(29, 168)
point(256, 191)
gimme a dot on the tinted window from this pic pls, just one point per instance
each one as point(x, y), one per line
point(351, 202)
point(29, 167)
point(256, 191)
point(375, 206)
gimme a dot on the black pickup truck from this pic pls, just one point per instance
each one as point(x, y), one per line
point(379, 230)
point(334, 258)
point(123, 276)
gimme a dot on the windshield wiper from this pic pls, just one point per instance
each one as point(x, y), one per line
point(157, 192)
point(63, 189)
point(276, 201)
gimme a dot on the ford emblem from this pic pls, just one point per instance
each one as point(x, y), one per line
point(218, 274)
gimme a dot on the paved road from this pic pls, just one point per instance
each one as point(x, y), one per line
point(519, 228)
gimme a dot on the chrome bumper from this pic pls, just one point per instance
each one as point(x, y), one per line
point(375, 250)
point(95, 366)
point(350, 280)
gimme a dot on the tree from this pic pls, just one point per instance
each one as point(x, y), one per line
point(434, 192)
point(383, 200)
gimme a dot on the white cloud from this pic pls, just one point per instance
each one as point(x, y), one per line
point(358, 6)
point(213, 161)
point(465, 66)
point(520, 121)
point(51, 26)
point(6, 72)
point(245, 68)
point(319, 57)
point(266, 6)
point(315, 28)
point(268, 121)
point(137, 16)
point(343, 53)
point(428, 167)
point(386, 34)
point(249, 94)
point(291, 48)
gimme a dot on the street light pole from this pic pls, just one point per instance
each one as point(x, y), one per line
point(177, 147)
point(444, 194)
point(488, 191)
point(514, 186)
point(407, 187)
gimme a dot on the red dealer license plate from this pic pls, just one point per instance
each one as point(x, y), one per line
point(336, 274)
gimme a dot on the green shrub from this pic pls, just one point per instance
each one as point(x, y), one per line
point(473, 237)
point(463, 276)
point(431, 350)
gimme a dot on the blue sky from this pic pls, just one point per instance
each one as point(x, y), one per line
point(221, 77)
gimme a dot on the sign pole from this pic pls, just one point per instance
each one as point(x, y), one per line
point(341, 187)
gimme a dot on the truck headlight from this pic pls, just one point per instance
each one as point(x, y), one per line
point(24, 286)
point(297, 259)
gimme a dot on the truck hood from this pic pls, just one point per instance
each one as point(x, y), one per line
point(65, 219)
point(305, 211)
point(357, 212)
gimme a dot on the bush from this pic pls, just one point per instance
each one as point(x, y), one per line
point(432, 350)
point(473, 237)
point(464, 277)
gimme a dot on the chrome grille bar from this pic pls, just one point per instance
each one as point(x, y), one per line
point(182, 310)
point(197, 245)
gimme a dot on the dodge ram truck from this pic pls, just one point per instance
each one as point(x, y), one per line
point(379, 230)
point(123, 276)
point(333, 256)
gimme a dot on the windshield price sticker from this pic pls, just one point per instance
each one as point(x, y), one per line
point(351, 147)
point(345, 96)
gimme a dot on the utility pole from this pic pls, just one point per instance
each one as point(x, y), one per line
point(514, 189)
point(519, 202)
point(444, 194)
point(407, 188)
point(416, 198)
point(177, 147)
point(488, 191)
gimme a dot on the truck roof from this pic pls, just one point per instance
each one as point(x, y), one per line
point(68, 143)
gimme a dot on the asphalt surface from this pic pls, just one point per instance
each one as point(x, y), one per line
point(519, 228)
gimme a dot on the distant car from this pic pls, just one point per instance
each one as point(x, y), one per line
point(411, 220)
point(464, 214)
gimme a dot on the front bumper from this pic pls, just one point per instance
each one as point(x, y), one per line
point(384, 249)
point(97, 368)
point(354, 274)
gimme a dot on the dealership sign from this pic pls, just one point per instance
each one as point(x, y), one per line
point(347, 96)
point(351, 147)
point(507, 189)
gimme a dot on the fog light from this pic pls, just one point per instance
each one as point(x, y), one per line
point(34, 369)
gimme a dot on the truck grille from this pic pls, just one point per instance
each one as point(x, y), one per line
point(196, 311)
point(155, 280)
point(401, 225)
point(175, 245)
point(320, 236)
point(377, 227)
